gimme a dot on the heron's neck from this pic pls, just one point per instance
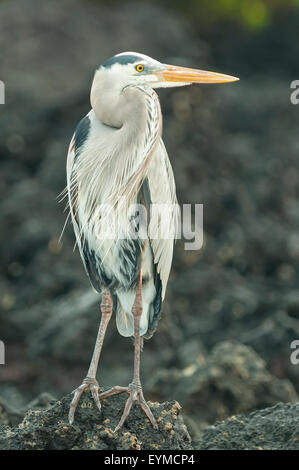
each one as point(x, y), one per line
point(115, 106)
point(134, 112)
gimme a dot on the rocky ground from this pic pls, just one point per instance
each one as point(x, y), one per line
point(45, 427)
point(274, 428)
point(48, 428)
point(232, 309)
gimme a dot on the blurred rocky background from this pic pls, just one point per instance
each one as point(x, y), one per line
point(232, 308)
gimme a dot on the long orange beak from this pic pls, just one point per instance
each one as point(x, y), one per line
point(174, 73)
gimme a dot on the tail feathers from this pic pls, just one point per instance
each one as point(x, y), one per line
point(124, 316)
point(125, 321)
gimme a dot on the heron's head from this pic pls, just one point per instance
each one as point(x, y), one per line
point(134, 69)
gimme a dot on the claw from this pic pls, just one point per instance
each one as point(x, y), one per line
point(87, 384)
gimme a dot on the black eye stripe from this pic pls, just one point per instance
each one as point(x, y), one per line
point(121, 59)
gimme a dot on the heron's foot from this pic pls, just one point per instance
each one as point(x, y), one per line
point(87, 384)
point(135, 394)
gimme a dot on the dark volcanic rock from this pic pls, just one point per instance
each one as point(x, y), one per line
point(275, 428)
point(9, 415)
point(49, 429)
point(233, 379)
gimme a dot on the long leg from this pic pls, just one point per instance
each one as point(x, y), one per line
point(90, 382)
point(134, 389)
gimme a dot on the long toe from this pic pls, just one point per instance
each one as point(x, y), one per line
point(148, 412)
point(126, 412)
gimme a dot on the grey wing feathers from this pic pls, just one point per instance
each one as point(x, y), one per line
point(79, 137)
point(159, 188)
point(81, 134)
point(162, 190)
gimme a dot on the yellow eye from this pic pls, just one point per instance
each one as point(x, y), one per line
point(139, 67)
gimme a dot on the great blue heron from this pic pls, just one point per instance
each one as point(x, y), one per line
point(117, 158)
